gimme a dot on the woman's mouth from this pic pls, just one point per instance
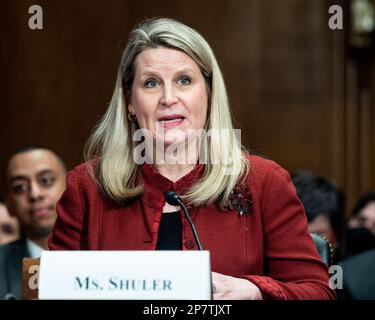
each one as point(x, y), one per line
point(172, 121)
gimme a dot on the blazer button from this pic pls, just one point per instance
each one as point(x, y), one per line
point(189, 244)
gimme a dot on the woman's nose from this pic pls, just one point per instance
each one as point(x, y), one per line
point(169, 97)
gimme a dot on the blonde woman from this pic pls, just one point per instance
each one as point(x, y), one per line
point(169, 87)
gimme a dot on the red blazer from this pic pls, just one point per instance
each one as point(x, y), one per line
point(269, 245)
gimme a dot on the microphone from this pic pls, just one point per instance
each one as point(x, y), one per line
point(173, 199)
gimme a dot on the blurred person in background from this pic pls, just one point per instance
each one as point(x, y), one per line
point(9, 227)
point(324, 205)
point(364, 213)
point(35, 181)
point(359, 252)
point(359, 235)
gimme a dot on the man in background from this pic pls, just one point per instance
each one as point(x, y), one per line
point(35, 181)
point(364, 213)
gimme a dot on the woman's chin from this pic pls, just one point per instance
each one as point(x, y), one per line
point(173, 137)
point(174, 143)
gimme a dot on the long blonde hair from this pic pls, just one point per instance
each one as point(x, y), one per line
point(111, 142)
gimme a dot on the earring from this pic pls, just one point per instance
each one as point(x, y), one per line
point(132, 117)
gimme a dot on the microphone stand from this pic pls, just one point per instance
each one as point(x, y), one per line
point(173, 199)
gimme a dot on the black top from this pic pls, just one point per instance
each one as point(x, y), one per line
point(170, 231)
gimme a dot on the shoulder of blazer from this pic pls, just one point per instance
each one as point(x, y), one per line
point(16, 248)
point(263, 170)
point(11, 256)
point(84, 172)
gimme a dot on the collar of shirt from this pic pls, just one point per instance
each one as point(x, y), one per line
point(156, 184)
point(34, 250)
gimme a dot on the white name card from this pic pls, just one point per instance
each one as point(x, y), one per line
point(137, 275)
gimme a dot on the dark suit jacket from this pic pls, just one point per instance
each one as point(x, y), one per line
point(358, 277)
point(11, 256)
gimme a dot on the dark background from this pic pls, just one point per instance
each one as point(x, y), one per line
point(301, 93)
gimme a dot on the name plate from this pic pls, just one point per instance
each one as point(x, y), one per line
point(136, 275)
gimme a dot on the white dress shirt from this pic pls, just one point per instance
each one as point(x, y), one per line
point(34, 250)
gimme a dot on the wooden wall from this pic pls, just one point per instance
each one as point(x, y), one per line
point(293, 85)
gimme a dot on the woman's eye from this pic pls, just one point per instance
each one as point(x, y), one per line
point(151, 83)
point(184, 81)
